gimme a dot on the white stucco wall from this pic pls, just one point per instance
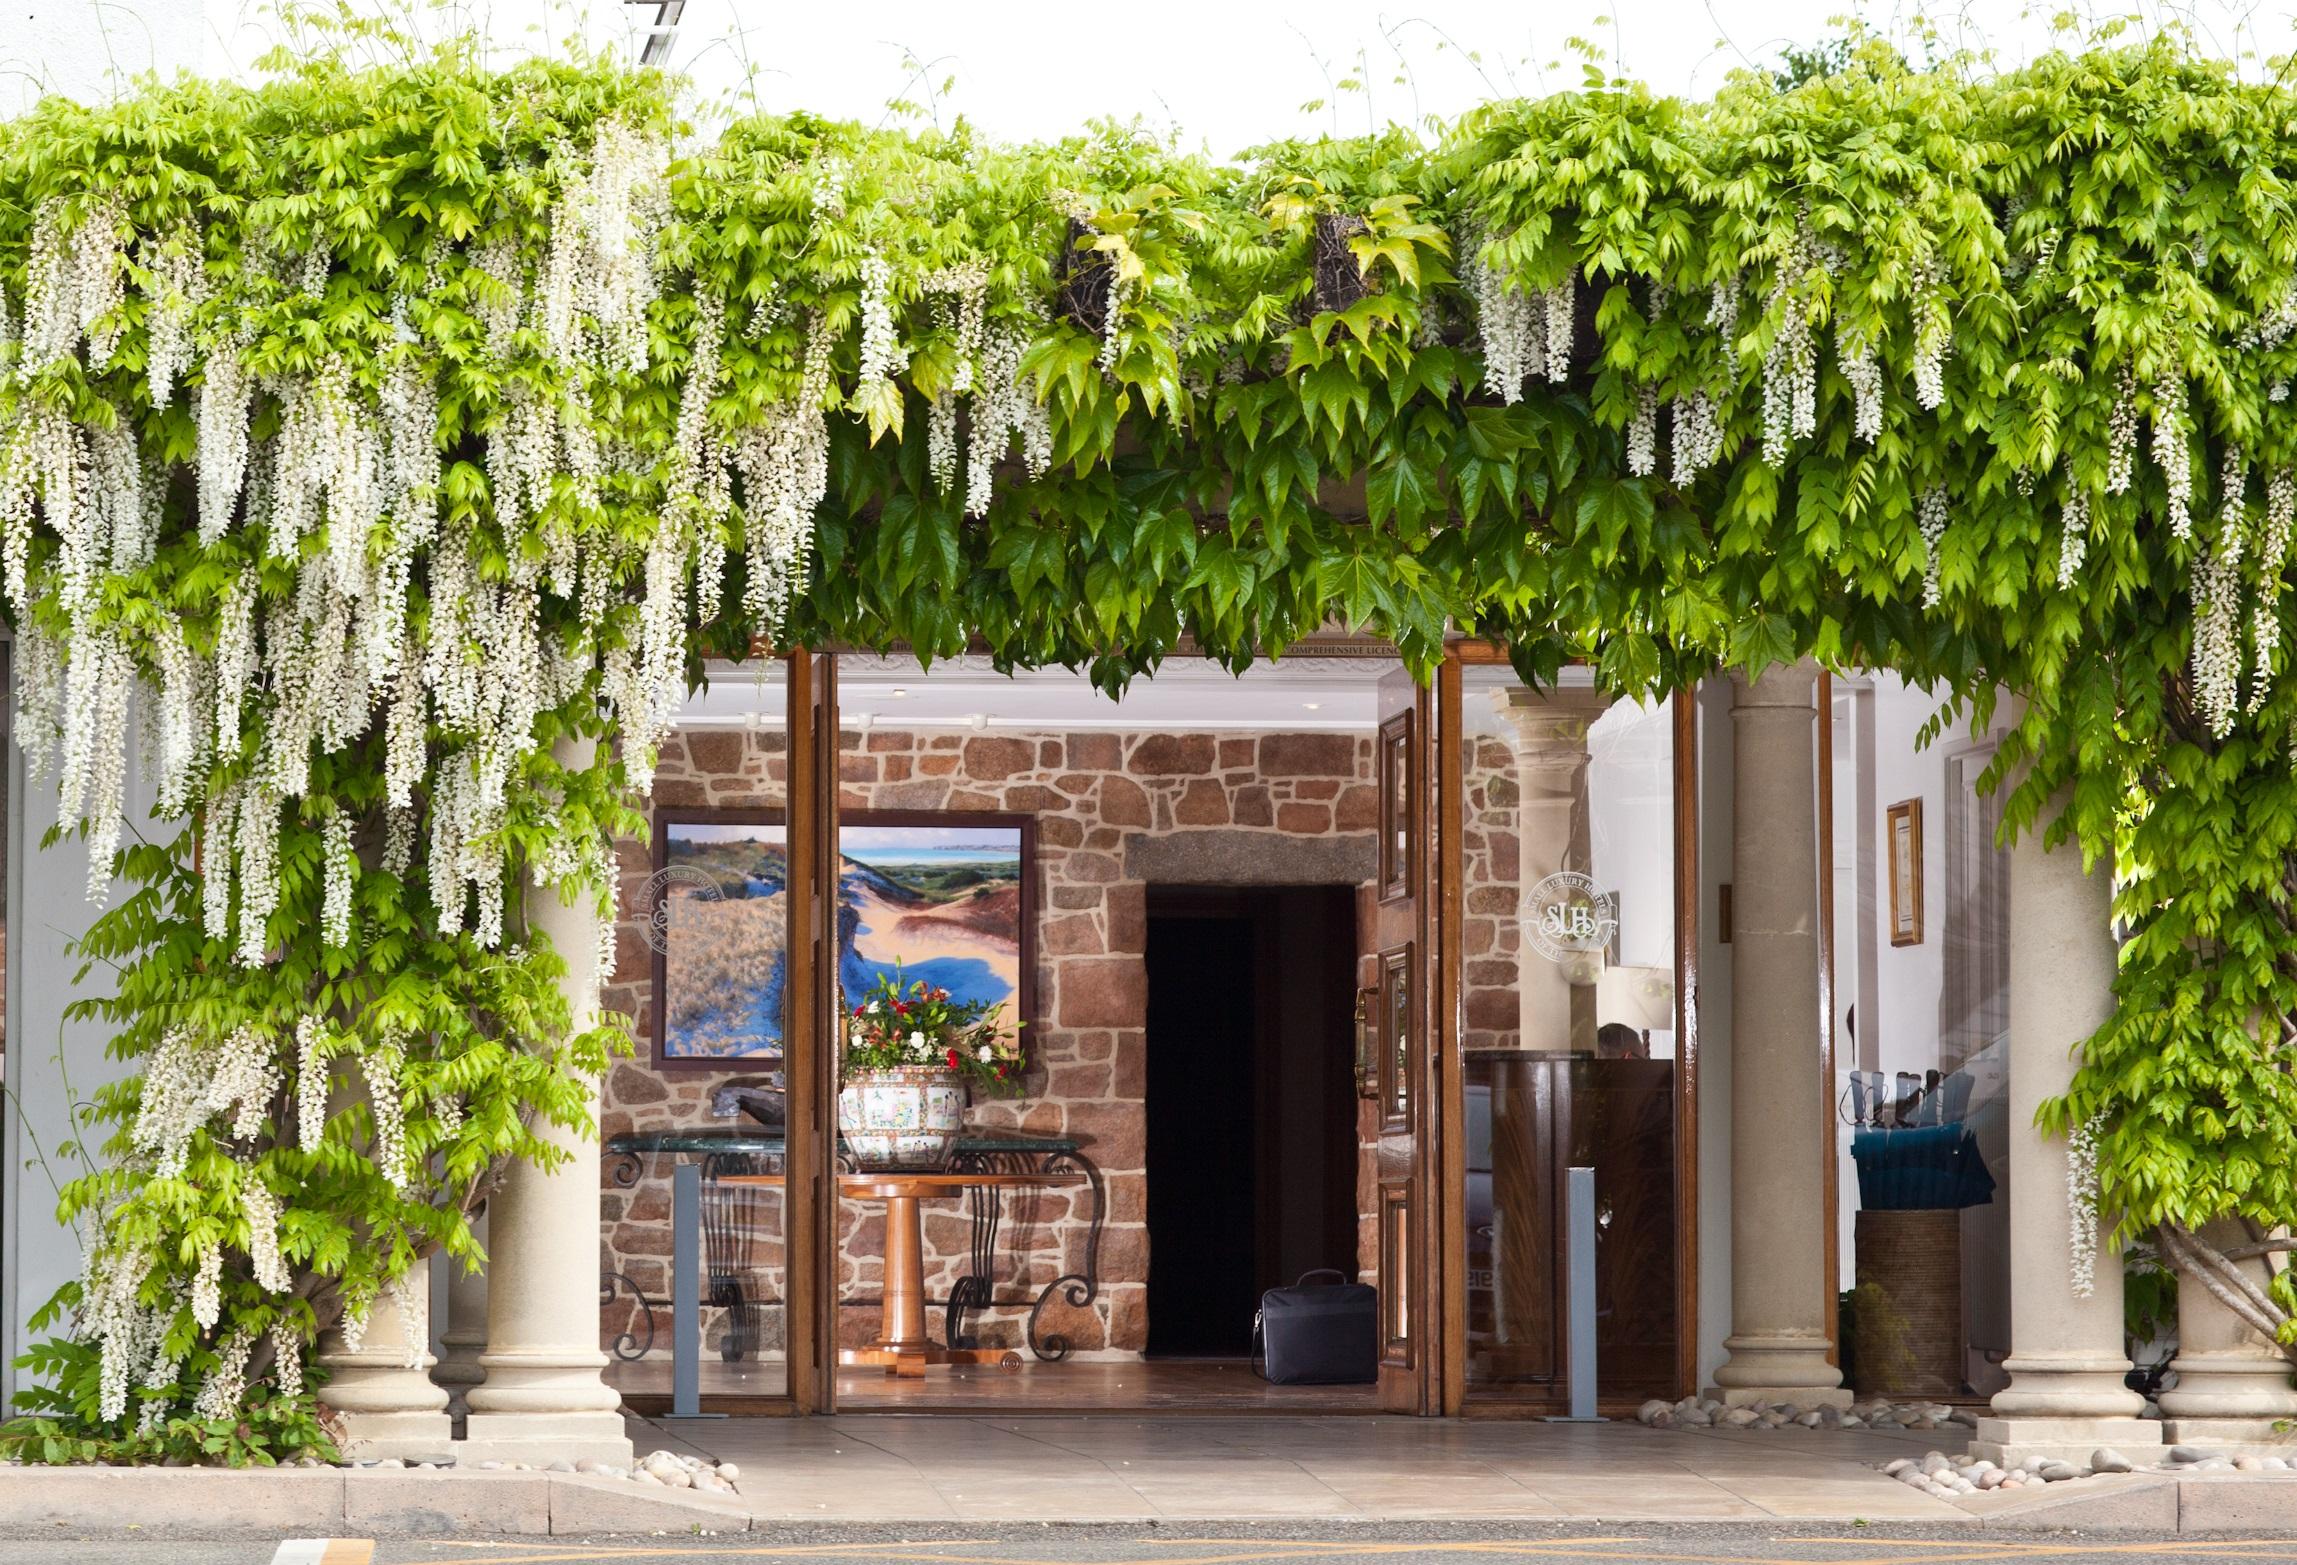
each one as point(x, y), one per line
point(79, 48)
point(52, 1065)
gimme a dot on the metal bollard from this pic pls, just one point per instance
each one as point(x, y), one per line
point(686, 1292)
point(1579, 1295)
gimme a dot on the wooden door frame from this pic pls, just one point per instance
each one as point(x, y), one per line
point(1450, 891)
point(810, 1055)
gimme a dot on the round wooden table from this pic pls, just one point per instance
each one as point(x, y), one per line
point(902, 1345)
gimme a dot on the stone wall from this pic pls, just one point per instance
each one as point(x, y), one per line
point(1491, 933)
point(1115, 812)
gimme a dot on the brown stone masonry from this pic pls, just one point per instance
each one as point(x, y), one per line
point(1114, 813)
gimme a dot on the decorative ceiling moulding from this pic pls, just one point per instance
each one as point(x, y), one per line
point(1328, 691)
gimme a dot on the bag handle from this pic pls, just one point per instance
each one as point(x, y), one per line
point(1333, 1272)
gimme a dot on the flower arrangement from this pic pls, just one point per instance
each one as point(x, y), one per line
point(911, 1023)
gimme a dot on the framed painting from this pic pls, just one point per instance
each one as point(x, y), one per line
point(717, 919)
point(1905, 848)
point(1399, 847)
point(947, 897)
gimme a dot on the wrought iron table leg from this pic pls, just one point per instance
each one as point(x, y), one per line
point(627, 1347)
point(1079, 1289)
point(977, 1289)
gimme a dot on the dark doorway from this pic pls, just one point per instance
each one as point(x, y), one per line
point(1251, 1103)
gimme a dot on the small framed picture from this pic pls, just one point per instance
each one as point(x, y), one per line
point(1399, 836)
point(1905, 848)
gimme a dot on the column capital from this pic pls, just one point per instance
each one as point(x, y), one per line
point(1788, 686)
point(1551, 725)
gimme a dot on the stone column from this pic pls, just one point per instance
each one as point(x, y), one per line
point(2233, 1386)
point(543, 1398)
point(465, 1338)
point(2066, 1397)
point(1781, 1127)
point(382, 1389)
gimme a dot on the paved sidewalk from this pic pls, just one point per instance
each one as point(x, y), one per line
point(1389, 1543)
point(889, 1468)
point(911, 1477)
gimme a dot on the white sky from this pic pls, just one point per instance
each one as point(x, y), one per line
point(1227, 73)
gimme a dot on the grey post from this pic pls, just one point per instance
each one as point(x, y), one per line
point(1579, 1291)
point(686, 1292)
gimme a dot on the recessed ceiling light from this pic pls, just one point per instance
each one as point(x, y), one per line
point(1313, 706)
point(897, 693)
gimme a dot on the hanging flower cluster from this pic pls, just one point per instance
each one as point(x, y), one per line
point(2082, 1206)
point(1524, 336)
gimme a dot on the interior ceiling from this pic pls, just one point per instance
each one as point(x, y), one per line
point(1299, 694)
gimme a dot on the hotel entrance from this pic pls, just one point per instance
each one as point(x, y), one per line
point(1184, 941)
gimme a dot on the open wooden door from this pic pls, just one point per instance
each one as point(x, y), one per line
point(1409, 1187)
point(811, 1049)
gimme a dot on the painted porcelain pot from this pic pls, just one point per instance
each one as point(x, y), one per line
point(906, 1118)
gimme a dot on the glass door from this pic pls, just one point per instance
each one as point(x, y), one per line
point(714, 1135)
point(1573, 1036)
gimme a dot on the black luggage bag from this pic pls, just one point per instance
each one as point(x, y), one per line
point(1322, 1335)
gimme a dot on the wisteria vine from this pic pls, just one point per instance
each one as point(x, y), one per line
point(370, 437)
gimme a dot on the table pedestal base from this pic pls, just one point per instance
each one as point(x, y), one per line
point(910, 1361)
point(902, 1345)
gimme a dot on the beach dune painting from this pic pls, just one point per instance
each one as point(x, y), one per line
point(944, 897)
point(720, 928)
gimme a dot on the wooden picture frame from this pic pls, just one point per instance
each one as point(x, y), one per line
point(1023, 1008)
point(1397, 1012)
point(1399, 847)
point(768, 823)
point(1902, 844)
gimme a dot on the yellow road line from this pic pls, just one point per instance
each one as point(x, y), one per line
point(1258, 1552)
point(2199, 1548)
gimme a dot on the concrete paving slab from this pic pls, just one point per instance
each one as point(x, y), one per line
point(581, 1504)
point(2241, 1503)
point(2136, 1502)
point(442, 1503)
point(172, 1501)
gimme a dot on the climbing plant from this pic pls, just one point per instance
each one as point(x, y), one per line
point(378, 436)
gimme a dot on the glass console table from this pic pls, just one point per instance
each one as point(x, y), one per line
point(729, 1210)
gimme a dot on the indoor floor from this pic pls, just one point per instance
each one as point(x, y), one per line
point(1151, 1385)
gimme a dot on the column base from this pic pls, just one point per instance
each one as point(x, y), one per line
point(543, 1438)
point(427, 1437)
point(2234, 1436)
point(2011, 1441)
point(1779, 1366)
point(2081, 1387)
point(1766, 1396)
point(2230, 1387)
